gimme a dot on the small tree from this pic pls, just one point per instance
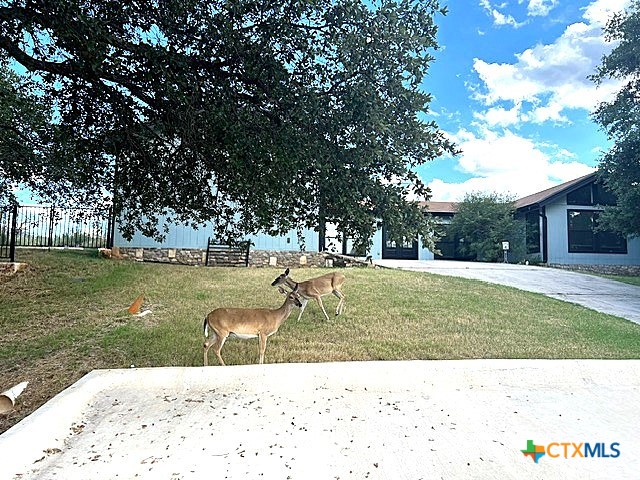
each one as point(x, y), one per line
point(483, 221)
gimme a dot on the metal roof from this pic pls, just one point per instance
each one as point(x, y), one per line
point(441, 207)
point(552, 193)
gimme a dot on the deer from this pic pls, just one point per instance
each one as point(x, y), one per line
point(245, 323)
point(314, 288)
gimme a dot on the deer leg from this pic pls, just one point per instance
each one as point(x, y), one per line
point(207, 345)
point(340, 305)
point(319, 300)
point(217, 346)
point(262, 346)
point(304, 302)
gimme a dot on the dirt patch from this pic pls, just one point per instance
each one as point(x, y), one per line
point(47, 377)
point(9, 270)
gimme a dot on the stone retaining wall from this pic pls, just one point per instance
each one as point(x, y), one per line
point(257, 258)
point(631, 270)
point(183, 256)
point(271, 258)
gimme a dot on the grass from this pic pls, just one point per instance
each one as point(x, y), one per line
point(624, 279)
point(66, 315)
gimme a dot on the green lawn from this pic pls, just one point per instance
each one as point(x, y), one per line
point(66, 315)
point(624, 279)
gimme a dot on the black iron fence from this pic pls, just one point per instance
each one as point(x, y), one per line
point(46, 227)
point(8, 217)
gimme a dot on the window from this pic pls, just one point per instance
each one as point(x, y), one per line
point(406, 243)
point(584, 238)
point(581, 196)
point(591, 194)
point(532, 228)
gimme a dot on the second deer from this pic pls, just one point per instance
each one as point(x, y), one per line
point(315, 288)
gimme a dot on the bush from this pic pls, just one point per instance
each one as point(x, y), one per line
point(483, 221)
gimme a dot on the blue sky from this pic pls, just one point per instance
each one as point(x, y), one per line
point(510, 88)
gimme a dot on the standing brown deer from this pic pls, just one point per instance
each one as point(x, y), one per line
point(315, 288)
point(245, 323)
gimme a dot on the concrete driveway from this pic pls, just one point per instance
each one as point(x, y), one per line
point(460, 419)
point(601, 294)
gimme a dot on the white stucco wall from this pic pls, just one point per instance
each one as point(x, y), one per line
point(376, 246)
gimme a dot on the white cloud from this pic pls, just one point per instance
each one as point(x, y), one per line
point(499, 116)
point(503, 81)
point(598, 12)
point(507, 163)
point(550, 112)
point(540, 8)
point(490, 153)
point(500, 18)
point(547, 79)
point(442, 191)
point(564, 153)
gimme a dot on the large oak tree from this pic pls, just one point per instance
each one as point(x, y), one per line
point(620, 118)
point(260, 115)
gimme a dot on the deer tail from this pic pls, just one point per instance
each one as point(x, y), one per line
point(206, 327)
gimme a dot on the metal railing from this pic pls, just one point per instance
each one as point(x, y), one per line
point(46, 227)
point(8, 217)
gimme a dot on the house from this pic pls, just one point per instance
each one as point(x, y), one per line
point(559, 231)
point(560, 225)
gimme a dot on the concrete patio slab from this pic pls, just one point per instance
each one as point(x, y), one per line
point(354, 420)
point(600, 294)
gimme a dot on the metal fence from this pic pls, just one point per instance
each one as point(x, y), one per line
point(8, 218)
point(42, 226)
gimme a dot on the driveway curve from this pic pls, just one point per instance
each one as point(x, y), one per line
point(601, 294)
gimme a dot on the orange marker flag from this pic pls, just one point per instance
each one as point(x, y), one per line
point(135, 306)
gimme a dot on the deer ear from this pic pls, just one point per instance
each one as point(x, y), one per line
point(286, 272)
